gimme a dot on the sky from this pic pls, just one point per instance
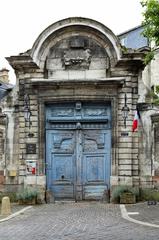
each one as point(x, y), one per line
point(21, 21)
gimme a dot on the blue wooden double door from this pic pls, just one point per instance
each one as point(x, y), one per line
point(78, 147)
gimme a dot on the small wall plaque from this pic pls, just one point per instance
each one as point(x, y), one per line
point(124, 134)
point(30, 148)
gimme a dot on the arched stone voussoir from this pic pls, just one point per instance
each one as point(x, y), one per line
point(75, 26)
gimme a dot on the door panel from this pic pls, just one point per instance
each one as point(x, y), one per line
point(96, 162)
point(62, 168)
point(94, 168)
point(93, 141)
point(61, 163)
point(63, 142)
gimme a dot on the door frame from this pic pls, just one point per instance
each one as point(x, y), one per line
point(112, 98)
point(77, 183)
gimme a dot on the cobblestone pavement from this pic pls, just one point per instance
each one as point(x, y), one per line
point(74, 221)
point(14, 208)
point(147, 213)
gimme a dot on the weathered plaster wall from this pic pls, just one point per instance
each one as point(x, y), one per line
point(154, 69)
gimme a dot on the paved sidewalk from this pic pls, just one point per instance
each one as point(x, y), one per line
point(15, 209)
point(140, 211)
point(75, 221)
point(146, 213)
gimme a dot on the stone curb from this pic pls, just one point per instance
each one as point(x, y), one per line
point(125, 215)
point(15, 214)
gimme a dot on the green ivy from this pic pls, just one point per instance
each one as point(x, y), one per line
point(148, 57)
point(157, 89)
point(149, 194)
point(27, 193)
point(118, 190)
point(154, 95)
point(151, 24)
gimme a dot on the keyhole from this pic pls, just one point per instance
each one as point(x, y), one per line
point(62, 177)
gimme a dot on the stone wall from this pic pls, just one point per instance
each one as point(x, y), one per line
point(68, 64)
point(155, 148)
point(2, 148)
point(125, 163)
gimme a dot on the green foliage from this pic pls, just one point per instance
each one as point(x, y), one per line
point(154, 95)
point(118, 190)
point(149, 194)
point(124, 49)
point(156, 101)
point(27, 193)
point(11, 195)
point(157, 89)
point(151, 20)
point(151, 24)
point(149, 56)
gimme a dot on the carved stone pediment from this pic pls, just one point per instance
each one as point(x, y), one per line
point(77, 58)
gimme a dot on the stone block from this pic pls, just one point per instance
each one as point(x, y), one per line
point(31, 129)
point(76, 74)
point(97, 63)
point(59, 74)
point(122, 95)
point(125, 167)
point(84, 91)
point(32, 97)
point(126, 180)
point(34, 118)
point(125, 172)
point(136, 181)
point(135, 167)
point(22, 172)
point(35, 124)
point(50, 197)
point(40, 196)
point(124, 140)
point(93, 74)
point(122, 101)
point(22, 135)
point(21, 140)
point(2, 179)
point(5, 207)
point(22, 119)
point(125, 150)
point(125, 156)
point(125, 161)
point(125, 145)
point(114, 181)
point(22, 124)
point(34, 107)
point(54, 63)
point(33, 102)
point(106, 196)
point(40, 181)
point(128, 123)
point(135, 160)
point(34, 113)
point(135, 172)
point(21, 129)
point(128, 130)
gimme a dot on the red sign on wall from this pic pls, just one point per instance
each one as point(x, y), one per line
point(31, 167)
